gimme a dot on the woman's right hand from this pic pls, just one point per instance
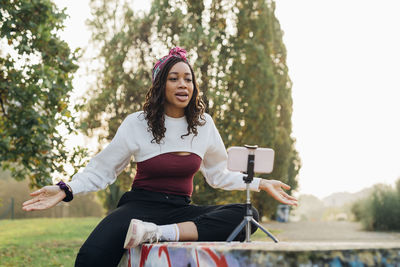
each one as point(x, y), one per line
point(44, 198)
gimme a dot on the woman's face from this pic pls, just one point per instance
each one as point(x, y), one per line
point(178, 90)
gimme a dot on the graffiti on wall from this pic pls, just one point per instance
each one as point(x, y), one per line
point(171, 256)
point(221, 254)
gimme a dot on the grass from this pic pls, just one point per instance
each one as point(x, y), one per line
point(259, 235)
point(44, 241)
point(51, 241)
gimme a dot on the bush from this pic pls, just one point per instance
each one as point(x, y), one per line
point(381, 210)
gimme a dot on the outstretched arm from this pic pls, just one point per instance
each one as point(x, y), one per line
point(275, 189)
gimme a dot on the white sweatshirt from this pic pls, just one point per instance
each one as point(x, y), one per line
point(133, 139)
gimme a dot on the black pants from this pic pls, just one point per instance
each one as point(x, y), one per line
point(104, 246)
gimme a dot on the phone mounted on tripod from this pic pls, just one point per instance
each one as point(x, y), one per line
point(248, 160)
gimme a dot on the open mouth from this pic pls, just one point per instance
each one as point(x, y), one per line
point(182, 96)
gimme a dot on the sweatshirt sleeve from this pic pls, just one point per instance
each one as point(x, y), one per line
point(215, 162)
point(103, 169)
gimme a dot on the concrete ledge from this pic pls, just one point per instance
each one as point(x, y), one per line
point(263, 254)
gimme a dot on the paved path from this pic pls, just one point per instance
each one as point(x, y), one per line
point(329, 232)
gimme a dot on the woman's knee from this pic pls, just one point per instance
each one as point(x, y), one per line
point(254, 211)
point(256, 217)
point(104, 246)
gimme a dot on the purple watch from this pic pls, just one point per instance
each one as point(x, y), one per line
point(68, 193)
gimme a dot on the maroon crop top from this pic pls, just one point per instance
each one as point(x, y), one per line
point(167, 173)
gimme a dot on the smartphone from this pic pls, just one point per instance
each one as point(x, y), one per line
point(238, 158)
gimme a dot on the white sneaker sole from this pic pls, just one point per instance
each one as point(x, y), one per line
point(131, 240)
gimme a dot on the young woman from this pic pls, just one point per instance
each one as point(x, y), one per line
point(171, 139)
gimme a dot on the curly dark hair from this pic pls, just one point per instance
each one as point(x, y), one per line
point(155, 100)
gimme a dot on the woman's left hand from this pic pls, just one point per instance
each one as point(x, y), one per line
point(274, 188)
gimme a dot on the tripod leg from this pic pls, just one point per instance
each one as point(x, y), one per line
point(264, 230)
point(237, 230)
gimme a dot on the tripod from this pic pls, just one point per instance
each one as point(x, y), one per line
point(248, 218)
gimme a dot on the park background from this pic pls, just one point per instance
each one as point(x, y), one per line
point(324, 74)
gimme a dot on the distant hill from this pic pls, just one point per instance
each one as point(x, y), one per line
point(343, 198)
point(310, 208)
point(332, 207)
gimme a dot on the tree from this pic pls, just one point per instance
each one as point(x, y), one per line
point(36, 72)
point(240, 61)
point(119, 89)
point(381, 209)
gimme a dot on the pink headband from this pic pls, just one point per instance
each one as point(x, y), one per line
point(174, 52)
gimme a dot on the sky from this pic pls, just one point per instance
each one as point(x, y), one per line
point(344, 61)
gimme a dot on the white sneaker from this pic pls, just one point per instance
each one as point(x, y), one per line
point(140, 232)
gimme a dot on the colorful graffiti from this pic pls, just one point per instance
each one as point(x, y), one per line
point(171, 256)
point(222, 254)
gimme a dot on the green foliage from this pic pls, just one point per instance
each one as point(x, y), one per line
point(43, 242)
point(36, 72)
point(110, 196)
point(239, 59)
point(381, 210)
